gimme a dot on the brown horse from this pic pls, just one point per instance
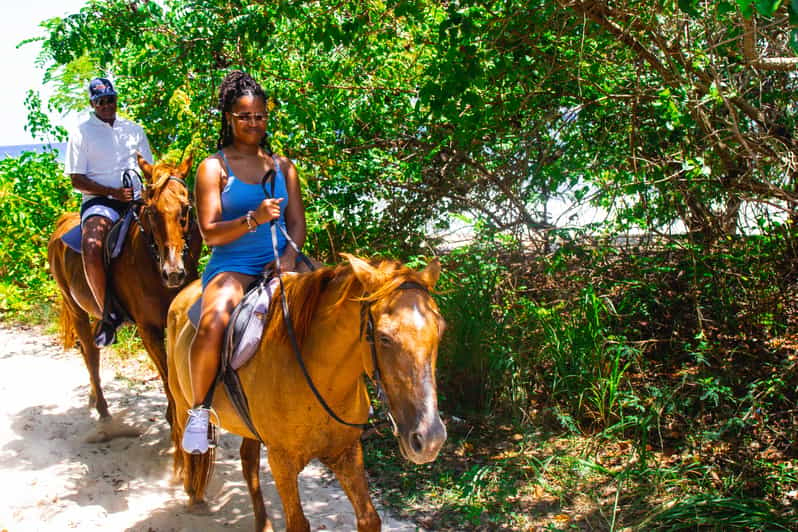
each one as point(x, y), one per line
point(329, 309)
point(146, 276)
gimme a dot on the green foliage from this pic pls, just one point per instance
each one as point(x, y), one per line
point(718, 513)
point(582, 363)
point(485, 355)
point(33, 193)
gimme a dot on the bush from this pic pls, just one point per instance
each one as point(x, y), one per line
point(34, 191)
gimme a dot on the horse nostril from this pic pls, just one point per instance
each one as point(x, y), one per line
point(416, 442)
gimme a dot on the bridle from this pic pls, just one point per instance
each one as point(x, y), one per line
point(141, 205)
point(367, 329)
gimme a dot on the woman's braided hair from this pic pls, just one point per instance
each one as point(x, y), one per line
point(235, 85)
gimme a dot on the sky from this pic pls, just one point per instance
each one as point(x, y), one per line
point(19, 20)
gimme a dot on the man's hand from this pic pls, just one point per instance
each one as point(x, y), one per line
point(122, 194)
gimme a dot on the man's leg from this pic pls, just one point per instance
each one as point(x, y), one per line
point(95, 228)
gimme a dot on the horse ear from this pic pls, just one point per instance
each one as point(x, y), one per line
point(185, 166)
point(430, 274)
point(369, 276)
point(145, 166)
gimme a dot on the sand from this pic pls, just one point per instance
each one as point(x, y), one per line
point(52, 479)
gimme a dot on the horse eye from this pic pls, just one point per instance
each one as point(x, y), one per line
point(385, 340)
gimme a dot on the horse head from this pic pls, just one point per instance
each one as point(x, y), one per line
point(407, 327)
point(166, 217)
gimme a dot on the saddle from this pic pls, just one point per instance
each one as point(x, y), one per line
point(244, 332)
point(241, 340)
point(114, 241)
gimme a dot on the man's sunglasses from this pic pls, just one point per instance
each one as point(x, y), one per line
point(105, 100)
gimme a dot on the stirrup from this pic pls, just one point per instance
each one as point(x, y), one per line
point(213, 436)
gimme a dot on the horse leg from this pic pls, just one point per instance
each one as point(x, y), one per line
point(285, 469)
point(106, 428)
point(250, 464)
point(91, 357)
point(153, 340)
point(350, 471)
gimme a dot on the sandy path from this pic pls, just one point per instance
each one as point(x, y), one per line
point(50, 479)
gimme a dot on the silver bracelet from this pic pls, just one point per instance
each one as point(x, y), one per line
point(252, 223)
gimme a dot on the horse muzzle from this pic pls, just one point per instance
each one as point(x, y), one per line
point(174, 278)
point(422, 443)
point(173, 271)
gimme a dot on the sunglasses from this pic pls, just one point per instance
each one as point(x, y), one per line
point(105, 100)
point(249, 118)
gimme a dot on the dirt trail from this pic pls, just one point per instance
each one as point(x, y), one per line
point(50, 479)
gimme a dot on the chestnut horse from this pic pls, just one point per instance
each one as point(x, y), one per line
point(159, 257)
point(329, 309)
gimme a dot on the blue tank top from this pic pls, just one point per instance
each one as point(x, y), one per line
point(251, 252)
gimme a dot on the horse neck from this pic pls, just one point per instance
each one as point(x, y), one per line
point(339, 325)
point(332, 349)
point(138, 245)
point(138, 266)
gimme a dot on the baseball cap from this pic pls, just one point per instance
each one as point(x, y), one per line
point(99, 87)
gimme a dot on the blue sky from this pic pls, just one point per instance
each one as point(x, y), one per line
point(19, 20)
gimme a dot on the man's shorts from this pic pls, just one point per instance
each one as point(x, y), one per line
point(102, 206)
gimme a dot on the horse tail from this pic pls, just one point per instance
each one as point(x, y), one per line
point(177, 458)
point(66, 323)
point(198, 469)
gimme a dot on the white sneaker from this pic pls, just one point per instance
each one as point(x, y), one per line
point(195, 436)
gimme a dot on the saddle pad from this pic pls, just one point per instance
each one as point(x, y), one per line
point(73, 237)
point(246, 326)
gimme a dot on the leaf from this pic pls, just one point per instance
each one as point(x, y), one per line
point(689, 6)
point(747, 7)
point(768, 7)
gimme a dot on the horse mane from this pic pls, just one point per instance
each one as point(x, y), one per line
point(304, 292)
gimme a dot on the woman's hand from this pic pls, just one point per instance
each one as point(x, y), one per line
point(268, 210)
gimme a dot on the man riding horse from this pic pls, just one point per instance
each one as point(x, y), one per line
point(98, 153)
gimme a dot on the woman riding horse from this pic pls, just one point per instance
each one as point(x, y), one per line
point(377, 319)
point(233, 211)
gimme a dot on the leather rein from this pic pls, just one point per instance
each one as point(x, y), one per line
point(366, 322)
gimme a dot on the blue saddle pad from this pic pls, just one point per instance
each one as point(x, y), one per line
point(73, 237)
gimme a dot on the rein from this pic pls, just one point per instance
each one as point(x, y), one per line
point(365, 311)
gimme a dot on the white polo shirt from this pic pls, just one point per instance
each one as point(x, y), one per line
point(103, 152)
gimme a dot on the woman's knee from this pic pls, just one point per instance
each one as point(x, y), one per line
point(213, 322)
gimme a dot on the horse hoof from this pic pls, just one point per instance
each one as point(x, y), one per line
point(199, 508)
